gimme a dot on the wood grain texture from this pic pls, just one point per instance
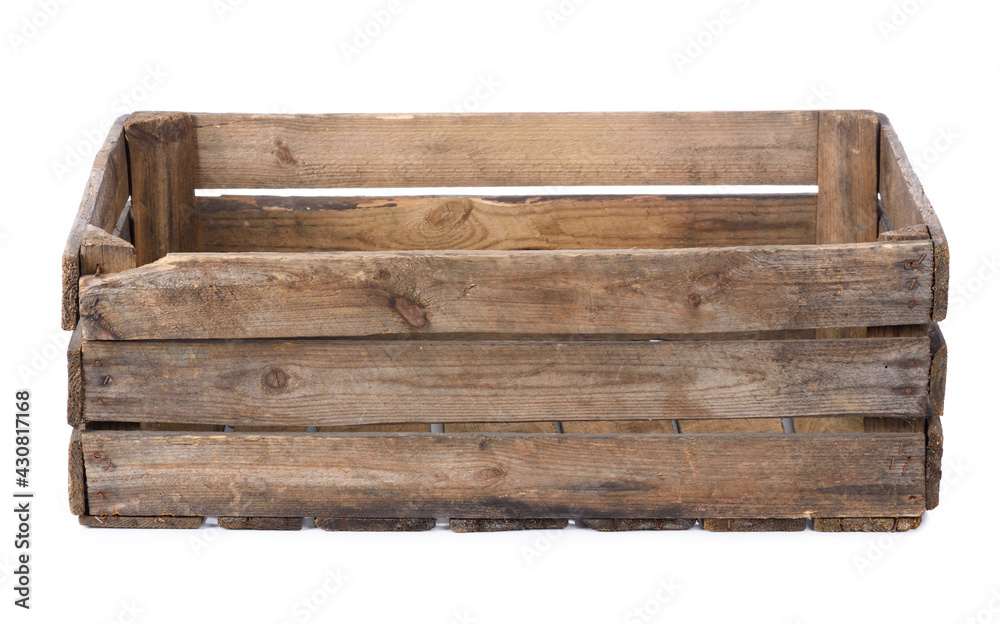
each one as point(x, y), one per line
point(732, 425)
point(106, 193)
point(939, 367)
point(883, 525)
point(935, 451)
point(753, 525)
point(77, 476)
point(915, 422)
point(161, 151)
point(909, 232)
point(638, 524)
point(490, 525)
point(905, 204)
point(266, 295)
point(303, 224)
point(617, 426)
point(245, 523)
point(847, 206)
point(510, 149)
point(376, 524)
point(504, 475)
point(74, 378)
point(289, 383)
point(142, 522)
point(103, 253)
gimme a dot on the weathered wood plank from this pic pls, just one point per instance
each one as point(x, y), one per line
point(106, 193)
point(733, 425)
point(884, 525)
point(489, 525)
point(939, 367)
point(142, 522)
point(303, 224)
point(161, 151)
point(245, 523)
point(504, 475)
point(638, 524)
point(847, 207)
point(618, 426)
point(935, 450)
point(753, 525)
point(102, 253)
point(914, 423)
point(904, 204)
point(77, 476)
point(265, 295)
point(74, 378)
point(908, 232)
point(511, 149)
point(375, 524)
point(287, 383)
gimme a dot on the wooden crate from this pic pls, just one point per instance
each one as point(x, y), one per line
point(752, 361)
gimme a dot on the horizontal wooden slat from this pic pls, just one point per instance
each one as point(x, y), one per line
point(504, 475)
point(294, 224)
point(511, 149)
point(268, 295)
point(341, 382)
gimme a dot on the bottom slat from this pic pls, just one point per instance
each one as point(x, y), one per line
point(839, 525)
point(638, 524)
point(488, 525)
point(516, 476)
point(376, 524)
point(142, 522)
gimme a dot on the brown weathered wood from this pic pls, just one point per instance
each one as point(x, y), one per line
point(511, 149)
point(909, 232)
point(501, 475)
point(904, 204)
point(638, 524)
point(732, 425)
point(915, 423)
point(161, 151)
point(260, 524)
point(884, 525)
point(617, 426)
point(77, 476)
point(939, 367)
point(123, 229)
point(289, 383)
point(106, 193)
point(185, 426)
point(74, 378)
point(846, 208)
point(302, 224)
point(501, 427)
point(142, 522)
point(753, 525)
point(261, 295)
point(935, 449)
point(384, 428)
point(103, 253)
point(488, 525)
point(375, 524)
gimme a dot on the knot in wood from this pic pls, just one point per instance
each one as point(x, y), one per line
point(275, 379)
point(411, 312)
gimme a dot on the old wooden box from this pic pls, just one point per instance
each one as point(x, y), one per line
point(752, 361)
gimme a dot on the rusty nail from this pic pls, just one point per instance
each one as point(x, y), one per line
point(904, 468)
point(107, 380)
point(892, 462)
point(98, 363)
point(913, 363)
point(913, 283)
point(921, 258)
point(900, 448)
point(107, 466)
point(908, 391)
point(98, 455)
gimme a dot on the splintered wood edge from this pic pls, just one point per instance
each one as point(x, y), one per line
point(74, 378)
point(106, 193)
point(142, 522)
point(753, 525)
point(487, 525)
point(932, 457)
point(939, 368)
point(77, 476)
point(375, 524)
point(260, 524)
point(883, 525)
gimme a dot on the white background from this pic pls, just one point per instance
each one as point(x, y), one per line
point(932, 67)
